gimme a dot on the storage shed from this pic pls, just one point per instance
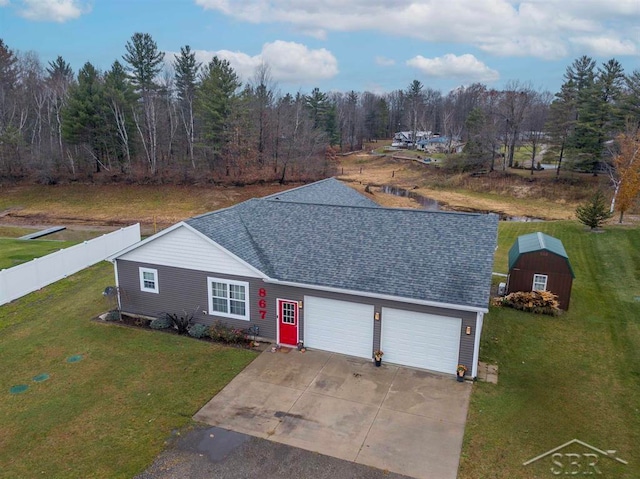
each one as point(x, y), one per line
point(539, 262)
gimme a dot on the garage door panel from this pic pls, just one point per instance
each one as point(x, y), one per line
point(338, 326)
point(421, 340)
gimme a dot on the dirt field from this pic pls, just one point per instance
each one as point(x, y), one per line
point(512, 196)
point(81, 207)
point(106, 207)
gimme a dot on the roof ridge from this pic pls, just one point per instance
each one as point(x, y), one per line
point(264, 258)
point(541, 240)
point(275, 195)
point(306, 203)
point(377, 208)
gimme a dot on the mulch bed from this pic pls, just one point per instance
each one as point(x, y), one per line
point(132, 321)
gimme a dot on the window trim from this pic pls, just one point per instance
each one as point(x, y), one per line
point(229, 282)
point(144, 288)
point(537, 278)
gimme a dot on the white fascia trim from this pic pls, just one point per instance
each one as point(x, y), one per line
point(365, 294)
point(224, 250)
point(192, 229)
point(476, 345)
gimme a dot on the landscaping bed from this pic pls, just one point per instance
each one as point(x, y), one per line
point(217, 333)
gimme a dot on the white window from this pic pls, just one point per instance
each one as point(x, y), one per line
point(149, 280)
point(539, 282)
point(228, 298)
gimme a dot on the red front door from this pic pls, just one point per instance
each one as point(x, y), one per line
point(287, 322)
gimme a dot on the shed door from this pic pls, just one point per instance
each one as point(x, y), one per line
point(420, 340)
point(338, 326)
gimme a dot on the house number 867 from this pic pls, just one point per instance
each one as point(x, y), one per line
point(262, 303)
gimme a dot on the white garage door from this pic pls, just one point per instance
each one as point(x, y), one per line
point(420, 340)
point(338, 326)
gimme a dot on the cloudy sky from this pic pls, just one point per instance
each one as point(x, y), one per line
point(342, 45)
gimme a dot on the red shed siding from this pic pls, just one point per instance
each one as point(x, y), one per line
point(559, 279)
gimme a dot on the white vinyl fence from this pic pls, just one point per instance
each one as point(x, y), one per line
point(28, 277)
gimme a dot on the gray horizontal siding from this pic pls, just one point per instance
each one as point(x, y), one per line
point(186, 290)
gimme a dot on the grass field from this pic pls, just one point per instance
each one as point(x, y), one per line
point(573, 376)
point(14, 252)
point(108, 415)
point(118, 204)
point(14, 231)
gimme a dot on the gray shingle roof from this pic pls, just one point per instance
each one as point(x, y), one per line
point(433, 256)
point(324, 192)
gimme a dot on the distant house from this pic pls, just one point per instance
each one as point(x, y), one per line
point(539, 262)
point(439, 144)
point(326, 266)
point(404, 139)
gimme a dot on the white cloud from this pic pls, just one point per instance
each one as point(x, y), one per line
point(606, 45)
point(385, 62)
point(4, 3)
point(538, 28)
point(465, 67)
point(294, 62)
point(53, 10)
point(289, 62)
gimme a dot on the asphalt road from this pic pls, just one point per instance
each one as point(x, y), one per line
point(212, 453)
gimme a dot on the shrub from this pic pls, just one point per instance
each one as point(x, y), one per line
point(221, 332)
point(180, 323)
point(540, 302)
point(163, 322)
point(113, 315)
point(198, 330)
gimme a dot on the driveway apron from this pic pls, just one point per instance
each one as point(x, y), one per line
point(394, 418)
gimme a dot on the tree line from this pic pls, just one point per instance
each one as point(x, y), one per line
point(150, 117)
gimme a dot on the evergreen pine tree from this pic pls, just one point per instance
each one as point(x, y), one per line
point(595, 212)
point(214, 98)
point(83, 117)
point(186, 74)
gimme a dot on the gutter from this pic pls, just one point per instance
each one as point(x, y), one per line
point(422, 302)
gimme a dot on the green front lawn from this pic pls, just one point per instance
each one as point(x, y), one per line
point(108, 415)
point(576, 376)
point(14, 231)
point(14, 251)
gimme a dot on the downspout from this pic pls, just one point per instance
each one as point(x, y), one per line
point(115, 268)
point(476, 345)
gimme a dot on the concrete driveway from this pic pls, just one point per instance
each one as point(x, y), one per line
point(399, 419)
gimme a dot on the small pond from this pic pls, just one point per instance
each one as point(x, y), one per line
point(433, 205)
